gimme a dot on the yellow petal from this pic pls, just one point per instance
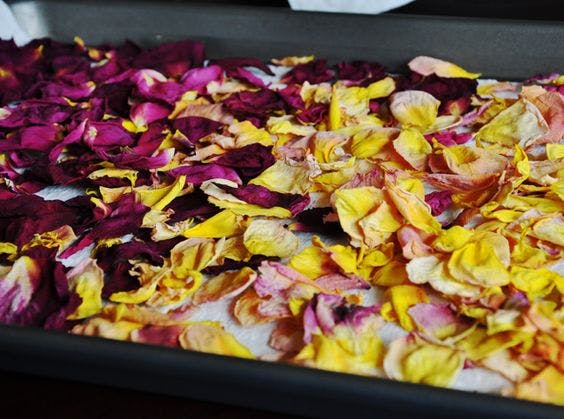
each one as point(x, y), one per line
point(434, 365)
point(98, 326)
point(158, 198)
point(421, 362)
point(525, 203)
point(345, 257)
point(391, 274)
point(110, 195)
point(534, 282)
point(137, 296)
point(413, 147)
point(212, 339)
point(224, 224)
point(287, 124)
point(128, 174)
point(414, 108)
point(194, 254)
point(312, 261)
point(251, 210)
point(87, 280)
point(7, 248)
point(164, 231)
point(381, 88)
point(547, 387)
point(479, 344)
point(293, 61)
point(21, 279)
point(528, 256)
point(246, 133)
point(428, 65)
point(504, 363)
point(246, 309)
point(379, 225)
point(225, 285)
point(354, 204)
point(335, 120)
point(367, 143)
point(555, 151)
point(472, 161)
point(452, 239)
point(520, 124)
point(402, 298)
point(270, 238)
point(414, 209)
point(283, 178)
point(477, 263)
point(327, 146)
point(432, 270)
point(502, 321)
point(61, 238)
point(334, 354)
point(550, 229)
point(235, 249)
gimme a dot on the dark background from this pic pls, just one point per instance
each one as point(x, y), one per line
point(24, 396)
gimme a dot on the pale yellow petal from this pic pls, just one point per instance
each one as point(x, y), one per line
point(270, 238)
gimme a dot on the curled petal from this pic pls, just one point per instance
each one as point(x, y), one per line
point(427, 65)
point(413, 108)
point(211, 338)
point(225, 285)
point(419, 362)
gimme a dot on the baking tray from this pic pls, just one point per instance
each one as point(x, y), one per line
point(505, 49)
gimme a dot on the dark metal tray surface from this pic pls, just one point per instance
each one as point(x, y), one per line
point(498, 48)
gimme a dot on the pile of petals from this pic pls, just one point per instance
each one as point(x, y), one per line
point(325, 201)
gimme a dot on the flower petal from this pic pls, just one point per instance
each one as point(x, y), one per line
point(427, 65)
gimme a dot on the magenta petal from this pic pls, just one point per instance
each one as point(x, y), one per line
point(144, 113)
point(198, 78)
point(36, 112)
point(291, 95)
point(249, 77)
point(126, 218)
point(314, 114)
point(325, 311)
point(37, 138)
point(152, 85)
point(72, 92)
point(159, 335)
point(449, 138)
point(107, 134)
point(432, 319)
point(439, 201)
point(40, 297)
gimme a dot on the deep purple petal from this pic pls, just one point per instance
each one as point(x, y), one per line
point(314, 72)
point(195, 127)
point(197, 174)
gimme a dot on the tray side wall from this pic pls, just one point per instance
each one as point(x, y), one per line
point(498, 48)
